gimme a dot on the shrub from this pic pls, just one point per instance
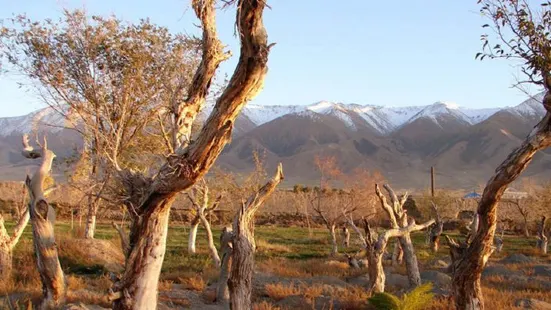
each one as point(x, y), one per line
point(417, 299)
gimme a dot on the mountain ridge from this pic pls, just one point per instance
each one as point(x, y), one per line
point(464, 144)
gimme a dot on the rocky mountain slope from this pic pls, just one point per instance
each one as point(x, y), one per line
point(465, 145)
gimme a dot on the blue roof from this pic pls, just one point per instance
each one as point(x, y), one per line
point(472, 195)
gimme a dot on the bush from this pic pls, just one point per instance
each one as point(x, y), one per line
point(417, 299)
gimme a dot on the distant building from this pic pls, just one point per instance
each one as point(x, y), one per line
point(472, 195)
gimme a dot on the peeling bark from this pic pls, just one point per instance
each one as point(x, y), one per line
point(139, 283)
point(240, 281)
point(469, 263)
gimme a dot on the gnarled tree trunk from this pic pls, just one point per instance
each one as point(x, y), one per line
point(377, 249)
point(42, 217)
point(468, 262)
point(398, 219)
point(240, 281)
point(138, 287)
point(148, 199)
point(222, 291)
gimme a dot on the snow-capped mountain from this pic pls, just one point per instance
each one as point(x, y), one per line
point(384, 120)
point(400, 142)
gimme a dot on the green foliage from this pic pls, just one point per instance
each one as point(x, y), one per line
point(417, 299)
point(385, 301)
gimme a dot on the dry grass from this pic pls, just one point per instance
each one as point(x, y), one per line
point(264, 246)
point(264, 305)
point(194, 283)
point(496, 298)
point(307, 268)
point(352, 298)
point(278, 291)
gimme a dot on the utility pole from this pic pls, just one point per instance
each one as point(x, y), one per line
point(432, 181)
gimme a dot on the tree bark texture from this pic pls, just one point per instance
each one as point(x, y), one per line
point(399, 220)
point(42, 217)
point(470, 261)
point(240, 281)
point(149, 199)
point(377, 249)
point(222, 291)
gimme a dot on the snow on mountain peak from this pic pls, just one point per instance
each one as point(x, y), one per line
point(448, 105)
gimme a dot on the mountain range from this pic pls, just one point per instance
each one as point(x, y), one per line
point(464, 145)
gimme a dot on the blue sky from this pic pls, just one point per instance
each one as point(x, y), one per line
point(393, 53)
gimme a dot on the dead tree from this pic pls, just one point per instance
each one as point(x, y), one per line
point(42, 217)
point(242, 267)
point(350, 222)
point(7, 243)
point(436, 229)
point(542, 236)
point(202, 209)
point(376, 249)
point(332, 212)
point(399, 219)
point(226, 250)
point(523, 210)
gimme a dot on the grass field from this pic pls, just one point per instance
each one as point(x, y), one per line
point(283, 253)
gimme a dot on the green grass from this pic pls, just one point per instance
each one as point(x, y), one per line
point(296, 239)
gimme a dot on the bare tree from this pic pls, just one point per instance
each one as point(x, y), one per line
point(399, 219)
point(202, 208)
point(376, 248)
point(522, 208)
point(42, 217)
point(243, 244)
point(542, 236)
point(523, 35)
